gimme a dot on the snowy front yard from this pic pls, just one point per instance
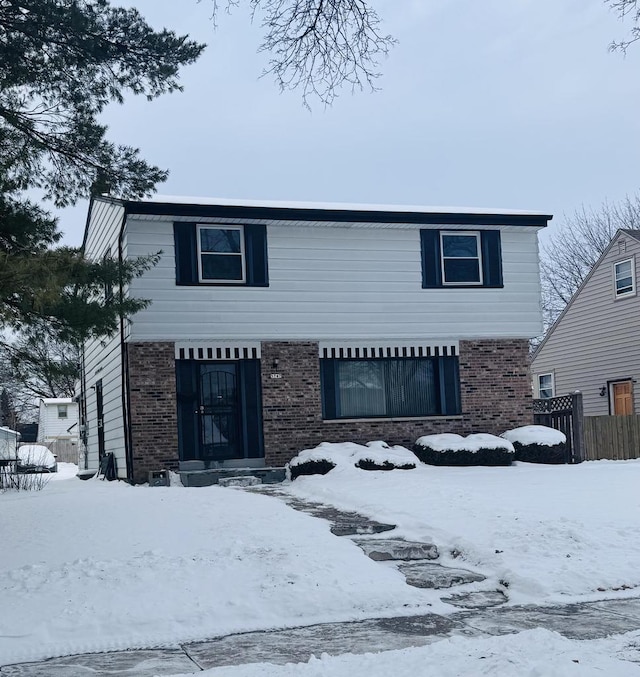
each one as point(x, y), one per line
point(95, 566)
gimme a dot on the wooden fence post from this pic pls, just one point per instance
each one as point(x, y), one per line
point(577, 427)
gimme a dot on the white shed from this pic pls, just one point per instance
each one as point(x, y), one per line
point(58, 420)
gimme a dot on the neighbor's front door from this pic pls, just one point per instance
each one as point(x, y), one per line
point(622, 398)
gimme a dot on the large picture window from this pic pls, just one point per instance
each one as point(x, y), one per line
point(387, 388)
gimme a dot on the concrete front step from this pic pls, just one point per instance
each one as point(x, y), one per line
point(436, 576)
point(205, 478)
point(380, 549)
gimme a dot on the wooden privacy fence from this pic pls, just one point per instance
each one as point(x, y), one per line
point(65, 450)
point(612, 437)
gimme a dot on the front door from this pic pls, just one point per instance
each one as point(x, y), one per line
point(219, 411)
point(622, 398)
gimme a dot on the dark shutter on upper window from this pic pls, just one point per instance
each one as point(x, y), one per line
point(491, 254)
point(431, 265)
point(491, 258)
point(255, 243)
point(186, 253)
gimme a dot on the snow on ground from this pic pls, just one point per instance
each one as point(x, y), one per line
point(91, 566)
point(555, 534)
point(96, 566)
point(534, 653)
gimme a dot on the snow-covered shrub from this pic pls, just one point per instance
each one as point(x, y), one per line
point(372, 456)
point(380, 456)
point(477, 449)
point(538, 444)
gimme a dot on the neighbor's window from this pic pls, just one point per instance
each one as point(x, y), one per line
point(624, 278)
point(221, 254)
point(545, 386)
point(62, 411)
point(390, 387)
point(461, 259)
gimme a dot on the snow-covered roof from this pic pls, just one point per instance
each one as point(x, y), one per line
point(330, 206)
point(8, 430)
point(57, 400)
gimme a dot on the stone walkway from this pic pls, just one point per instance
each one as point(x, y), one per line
point(483, 615)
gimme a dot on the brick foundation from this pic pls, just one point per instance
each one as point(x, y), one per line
point(495, 396)
point(152, 396)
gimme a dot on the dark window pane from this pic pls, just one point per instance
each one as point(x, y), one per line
point(221, 267)
point(460, 245)
point(461, 270)
point(361, 389)
point(219, 240)
point(411, 388)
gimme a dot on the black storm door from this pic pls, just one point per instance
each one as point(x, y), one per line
point(219, 412)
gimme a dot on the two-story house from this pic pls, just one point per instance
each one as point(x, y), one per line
point(273, 327)
point(593, 345)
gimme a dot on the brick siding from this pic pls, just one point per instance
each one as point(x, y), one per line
point(154, 420)
point(495, 396)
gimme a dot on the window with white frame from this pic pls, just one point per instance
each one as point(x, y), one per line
point(461, 258)
point(545, 386)
point(624, 278)
point(221, 256)
point(62, 411)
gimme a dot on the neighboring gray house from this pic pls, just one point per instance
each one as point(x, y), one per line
point(594, 346)
point(276, 326)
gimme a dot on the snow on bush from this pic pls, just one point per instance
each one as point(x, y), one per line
point(538, 444)
point(476, 449)
point(372, 456)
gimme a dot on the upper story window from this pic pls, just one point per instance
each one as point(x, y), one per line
point(624, 278)
point(461, 258)
point(62, 411)
point(221, 254)
point(209, 254)
point(545, 386)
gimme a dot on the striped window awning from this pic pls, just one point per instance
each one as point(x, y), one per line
point(377, 349)
point(218, 350)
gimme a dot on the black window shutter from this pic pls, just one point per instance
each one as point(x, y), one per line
point(186, 253)
point(328, 388)
point(187, 396)
point(255, 243)
point(449, 385)
point(252, 408)
point(431, 266)
point(491, 258)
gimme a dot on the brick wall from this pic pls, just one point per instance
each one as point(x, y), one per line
point(154, 421)
point(495, 396)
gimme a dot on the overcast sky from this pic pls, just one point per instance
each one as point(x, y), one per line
point(483, 103)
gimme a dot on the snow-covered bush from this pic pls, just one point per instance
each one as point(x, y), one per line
point(372, 456)
point(451, 449)
point(538, 444)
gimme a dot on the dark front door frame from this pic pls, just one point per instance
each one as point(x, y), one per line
point(200, 418)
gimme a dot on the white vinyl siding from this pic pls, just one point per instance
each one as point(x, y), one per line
point(102, 357)
point(329, 281)
point(596, 340)
point(51, 426)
